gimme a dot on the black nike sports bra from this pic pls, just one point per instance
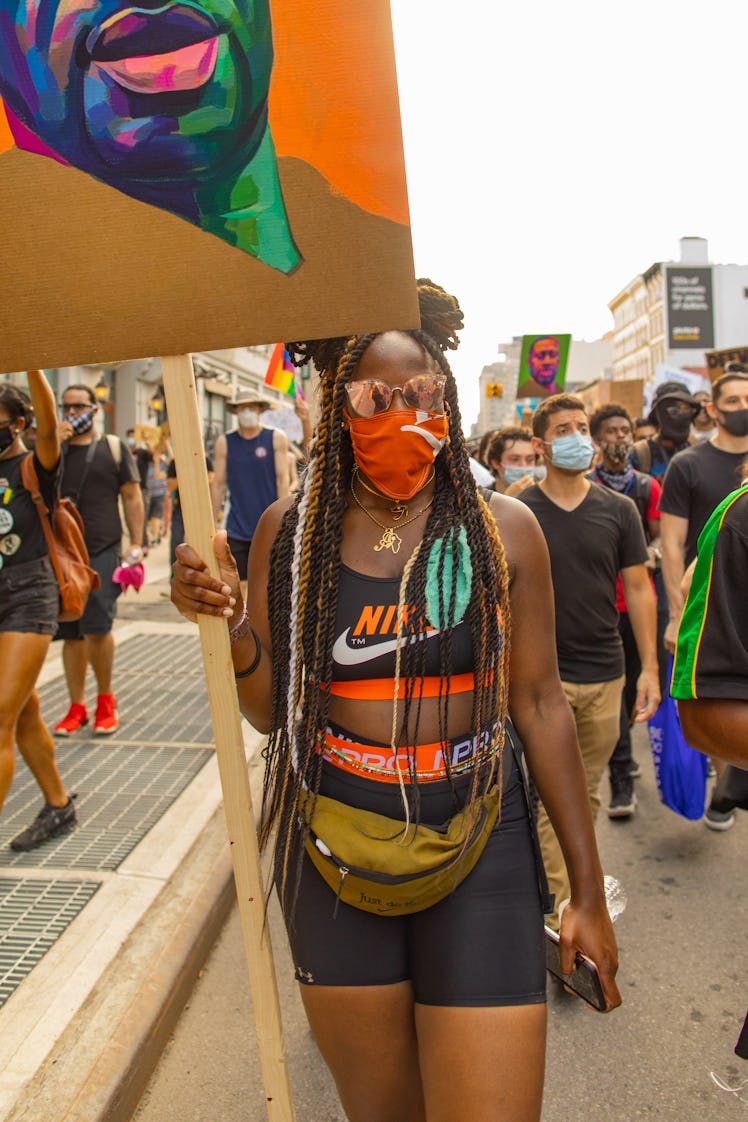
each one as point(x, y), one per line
point(366, 638)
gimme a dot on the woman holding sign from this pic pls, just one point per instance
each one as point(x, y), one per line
point(374, 649)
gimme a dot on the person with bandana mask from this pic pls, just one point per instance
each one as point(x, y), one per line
point(377, 599)
point(611, 428)
point(95, 481)
point(593, 534)
point(29, 605)
point(251, 464)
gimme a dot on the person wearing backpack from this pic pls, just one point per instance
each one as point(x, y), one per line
point(611, 429)
point(29, 605)
point(96, 472)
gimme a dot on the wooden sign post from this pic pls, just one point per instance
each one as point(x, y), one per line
point(194, 497)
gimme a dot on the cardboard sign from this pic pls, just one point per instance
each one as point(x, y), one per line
point(198, 176)
point(716, 360)
point(628, 392)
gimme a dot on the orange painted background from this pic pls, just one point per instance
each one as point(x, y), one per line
point(333, 99)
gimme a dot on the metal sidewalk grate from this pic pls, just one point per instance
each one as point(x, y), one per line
point(33, 915)
point(159, 683)
point(123, 790)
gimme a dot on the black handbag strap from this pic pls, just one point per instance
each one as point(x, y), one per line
point(547, 898)
point(75, 498)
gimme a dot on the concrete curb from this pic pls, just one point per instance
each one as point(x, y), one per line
point(115, 1085)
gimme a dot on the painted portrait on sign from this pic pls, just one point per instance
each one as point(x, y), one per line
point(272, 128)
point(542, 367)
point(168, 104)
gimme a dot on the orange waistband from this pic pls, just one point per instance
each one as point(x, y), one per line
point(381, 763)
point(382, 689)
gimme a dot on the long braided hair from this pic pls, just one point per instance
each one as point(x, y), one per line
point(305, 566)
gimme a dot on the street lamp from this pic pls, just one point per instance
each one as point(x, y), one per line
point(157, 402)
point(102, 391)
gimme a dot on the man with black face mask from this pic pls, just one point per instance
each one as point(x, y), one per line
point(697, 480)
point(672, 411)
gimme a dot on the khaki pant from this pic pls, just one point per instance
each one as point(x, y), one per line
point(597, 709)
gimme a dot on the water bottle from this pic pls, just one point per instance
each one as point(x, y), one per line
point(615, 897)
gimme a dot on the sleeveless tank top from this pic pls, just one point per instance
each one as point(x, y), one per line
point(250, 477)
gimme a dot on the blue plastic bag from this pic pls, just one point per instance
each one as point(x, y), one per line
point(680, 770)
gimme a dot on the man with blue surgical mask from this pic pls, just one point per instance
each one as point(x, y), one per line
point(593, 533)
point(512, 460)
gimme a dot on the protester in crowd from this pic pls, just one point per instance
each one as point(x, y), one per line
point(612, 430)
point(143, 457)
point(512, 459)
point(29, 605)
point(673, 409)
point(593, 533)
point(697, 480)
point(703, 426)
point(156, 484)
point(177, 518)
point(96, 473)
point(252, 465)
point(643, 429)
point(710, 672)
point(388, 516)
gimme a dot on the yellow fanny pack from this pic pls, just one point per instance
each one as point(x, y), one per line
point(377, 864)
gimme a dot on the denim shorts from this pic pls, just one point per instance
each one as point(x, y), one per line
point(29, 597)
point(101, 606)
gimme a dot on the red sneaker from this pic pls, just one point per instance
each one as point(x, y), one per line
point(106, 720)
point(77, 717)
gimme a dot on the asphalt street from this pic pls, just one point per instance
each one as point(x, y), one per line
point(682, 943)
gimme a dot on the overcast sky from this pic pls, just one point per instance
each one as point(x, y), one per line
point(554, 150)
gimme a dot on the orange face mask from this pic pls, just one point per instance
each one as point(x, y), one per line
point(396, 449)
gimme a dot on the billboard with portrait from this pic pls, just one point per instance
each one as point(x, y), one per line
point(197, 175)
point(542, 365)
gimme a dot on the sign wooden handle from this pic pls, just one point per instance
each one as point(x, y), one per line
point(194, 498)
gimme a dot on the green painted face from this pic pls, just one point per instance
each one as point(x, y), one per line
point(168, 104)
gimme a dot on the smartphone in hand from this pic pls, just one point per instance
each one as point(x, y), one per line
point(584, 981)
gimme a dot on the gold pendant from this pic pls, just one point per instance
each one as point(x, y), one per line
point(398, 510)
point(389, 540)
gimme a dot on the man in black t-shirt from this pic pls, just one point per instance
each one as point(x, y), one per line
point(592, 535)
point(697, 481)
point(95, 474)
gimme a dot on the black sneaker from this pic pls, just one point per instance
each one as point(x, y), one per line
point(49, 823)
point(622, 798)
point(635, 769)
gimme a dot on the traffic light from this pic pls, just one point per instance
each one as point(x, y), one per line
point(494, 389)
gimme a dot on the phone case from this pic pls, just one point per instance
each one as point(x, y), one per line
point(584, 981)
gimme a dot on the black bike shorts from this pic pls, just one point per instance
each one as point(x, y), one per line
point(483, 945)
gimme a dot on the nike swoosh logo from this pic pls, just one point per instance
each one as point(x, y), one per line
point(354, 656)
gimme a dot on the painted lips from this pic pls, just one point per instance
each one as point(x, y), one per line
point(173, 48)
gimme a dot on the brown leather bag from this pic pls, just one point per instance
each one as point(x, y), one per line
point(67, 547)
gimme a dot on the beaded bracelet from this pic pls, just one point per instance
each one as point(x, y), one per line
point(240, 629)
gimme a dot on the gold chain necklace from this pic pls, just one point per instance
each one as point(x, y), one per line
point(399, 510)
point(390, 539)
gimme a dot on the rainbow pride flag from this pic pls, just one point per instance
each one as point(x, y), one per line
point(280, 371)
